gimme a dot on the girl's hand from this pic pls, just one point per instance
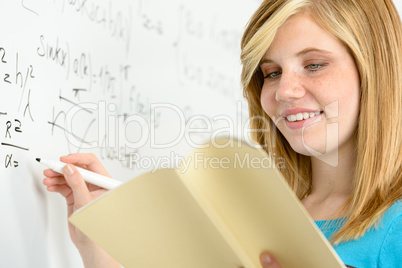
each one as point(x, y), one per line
point(269, 261)
point(78, 193)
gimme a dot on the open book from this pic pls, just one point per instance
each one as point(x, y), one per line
point(221, 211)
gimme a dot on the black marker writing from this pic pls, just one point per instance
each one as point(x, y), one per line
point(30, 10)
point(75, 104)
point(12, 128)
point(8, 124)
point(17, 127)
point(52, 52)
point(28, 106)
point(2, 50)
point(15, 146)
point(77, 91)
point(9, 162)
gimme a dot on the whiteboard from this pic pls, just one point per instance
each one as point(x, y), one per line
point(126, 80)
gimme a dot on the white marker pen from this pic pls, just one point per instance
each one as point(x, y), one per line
point(90, 177)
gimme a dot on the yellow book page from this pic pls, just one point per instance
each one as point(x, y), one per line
point(153, 221)
point(254, 208)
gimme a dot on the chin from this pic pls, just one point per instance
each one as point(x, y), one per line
point(313, 148)
point(315, 141)
point(300, 149)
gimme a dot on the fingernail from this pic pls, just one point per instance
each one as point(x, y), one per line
point(69, 170)
point(266, 259)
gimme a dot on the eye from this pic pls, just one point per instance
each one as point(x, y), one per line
point(314, 67)
point(273, 75)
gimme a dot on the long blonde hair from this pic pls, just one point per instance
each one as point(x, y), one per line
point(372, 31)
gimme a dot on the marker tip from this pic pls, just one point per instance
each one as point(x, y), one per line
point(38, 159)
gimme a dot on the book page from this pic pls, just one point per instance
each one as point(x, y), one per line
point(153, 221)
point(254, 208)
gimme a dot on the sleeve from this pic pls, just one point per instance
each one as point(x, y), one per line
point(391, 250)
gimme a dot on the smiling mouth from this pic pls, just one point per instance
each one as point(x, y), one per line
point(302, 116)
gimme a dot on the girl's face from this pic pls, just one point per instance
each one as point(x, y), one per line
point(311, 87)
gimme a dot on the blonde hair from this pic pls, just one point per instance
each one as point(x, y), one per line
point(372, 31)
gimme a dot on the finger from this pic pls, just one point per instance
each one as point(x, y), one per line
point(269, 261)
point(50, 173)
point(64, 190)
point(61, 180)
point(89, 160)
point(78, 186)
point(54, 181)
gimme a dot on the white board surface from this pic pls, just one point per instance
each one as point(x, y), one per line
point(81, 76)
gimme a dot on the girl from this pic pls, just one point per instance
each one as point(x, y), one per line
point(326, 76)
point(323, 82)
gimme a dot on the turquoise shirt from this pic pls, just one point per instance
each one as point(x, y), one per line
point(379, 247)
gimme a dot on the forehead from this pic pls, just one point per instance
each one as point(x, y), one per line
point(301, 31)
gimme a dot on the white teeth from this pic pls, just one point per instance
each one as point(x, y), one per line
point(301, 116)
point(292, 118)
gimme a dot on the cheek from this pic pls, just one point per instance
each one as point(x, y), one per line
point(347, 92)
point(268, 101)
point(350, 107)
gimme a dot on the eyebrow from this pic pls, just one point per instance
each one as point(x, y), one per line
point(311, 49)
point(299, 54)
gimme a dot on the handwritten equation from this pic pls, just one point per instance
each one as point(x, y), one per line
point(80, 66)
point(113, 74)
point(12, 127)
point(16, 81)
point(17, 76)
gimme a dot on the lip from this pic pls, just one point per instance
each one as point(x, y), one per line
point(302, 123)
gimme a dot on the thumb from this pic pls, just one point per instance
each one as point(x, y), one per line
point(269, 261)
point(78, 186)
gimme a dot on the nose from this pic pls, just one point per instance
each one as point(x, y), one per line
point(290, 87)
